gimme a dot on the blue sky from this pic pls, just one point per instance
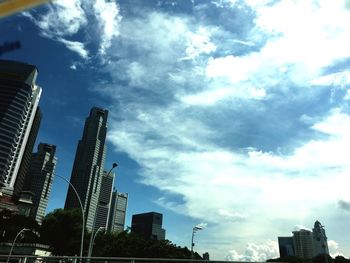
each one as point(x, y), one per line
point(233, 114)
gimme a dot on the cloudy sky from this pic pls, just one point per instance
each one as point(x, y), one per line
point(233, 114)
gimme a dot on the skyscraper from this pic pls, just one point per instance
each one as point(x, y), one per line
point(303, 243)
point(320, 239)
point(104, 200)
point(117, 212)
point(148, 225)
point(89, 165)
point(19, 99)
point(39, 179)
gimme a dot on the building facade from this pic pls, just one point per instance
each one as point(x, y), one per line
point(303, 244)
point(40, 178)
point(320, 239)
point(104, 200)
point(286, 246)
point(148, 225)
point(117, 213)
point(88, 165)
point(19, 99)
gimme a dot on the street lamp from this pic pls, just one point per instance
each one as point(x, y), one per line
point(14, 242)
point(82, 214)
point(91, 247)
point(114, 165)
point(195, 229)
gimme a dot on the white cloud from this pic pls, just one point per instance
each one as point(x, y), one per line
point(333, 247)
point(340, 79)
point(107, 14)
point(165, 126)
point(198, 43)
point(64, 18)
point(76, 47)
point(255, 252)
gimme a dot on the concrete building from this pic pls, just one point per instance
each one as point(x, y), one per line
point(39, 179)
point(89, 165)
point(104, 201)
point(303, 244)
point(117, 213)
point(286, 246)
point(19, 122)
point(148, 225)
point(319, 239)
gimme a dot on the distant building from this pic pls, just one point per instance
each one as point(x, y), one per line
point(89, 165)
point(148, 225)
point(303, 244)
point(104, 200)
point(320, 239)
point(39, 179)
point(117, 212)
point(286, 246)
point(206, 256)
point(19, 122)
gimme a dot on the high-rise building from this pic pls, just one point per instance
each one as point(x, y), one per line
point(286, 246)
point(117, 212)
point(19, 121)
point(148, 225)
point(39, 179)
point(104, 200)
point(320, 239)
point(303, 243)
point(89, 165)
point(27, 155)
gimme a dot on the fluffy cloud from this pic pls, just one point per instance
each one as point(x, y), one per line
point(255, 252)
point(227, 118)
point(185, 112)
point(333, 247)
point(65, 20)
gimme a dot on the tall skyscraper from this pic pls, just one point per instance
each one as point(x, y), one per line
point(27, 155)
point(117, 212)
point(148, 225)
point(39, 179)
point(89, 165)
point(19, 99)
point(104, 200)
point(303, 243)
point(320, 239)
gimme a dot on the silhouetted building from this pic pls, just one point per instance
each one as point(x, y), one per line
point(19, 123)
point(117, 213)
point(148, 225)
point(286, 246)
point(319, 239)
point(206, 256)
point(104, 200)
point(89, 165)
point(39, 179)
point(303, 244)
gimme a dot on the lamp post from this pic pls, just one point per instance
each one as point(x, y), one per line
point(14, 242)
point(195, 229)
point(91, 247)
point(114, 165)
point(82, 214)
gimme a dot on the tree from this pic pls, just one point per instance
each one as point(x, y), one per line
point(61, 230)
point(131, 245)
point(341, 259)
point(11, 223)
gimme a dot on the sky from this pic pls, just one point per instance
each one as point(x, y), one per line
point(230, 114)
